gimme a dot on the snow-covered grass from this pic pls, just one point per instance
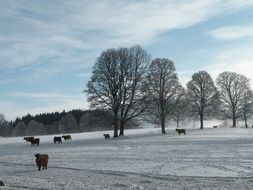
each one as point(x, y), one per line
point(220, 158)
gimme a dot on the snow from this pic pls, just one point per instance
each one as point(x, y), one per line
point(220, 158)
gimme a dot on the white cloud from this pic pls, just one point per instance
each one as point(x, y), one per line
point(232, 32)
point(233, 57)
point(41, 30)
point(43, 95)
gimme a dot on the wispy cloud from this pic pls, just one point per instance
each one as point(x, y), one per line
point(232, 32)
point(234, 57)
point(52, 95)
point(41, 30)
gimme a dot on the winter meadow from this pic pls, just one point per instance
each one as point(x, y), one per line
point(148, 95)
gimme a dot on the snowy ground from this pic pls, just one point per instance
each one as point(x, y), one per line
point(144, 159)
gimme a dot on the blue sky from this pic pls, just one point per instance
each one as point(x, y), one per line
point(48, 47)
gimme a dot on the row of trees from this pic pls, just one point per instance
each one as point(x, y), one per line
point(69, 122)
point(131, 85)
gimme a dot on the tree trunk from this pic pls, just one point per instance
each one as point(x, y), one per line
point(234, 120)
point(245, 120)
point(122, 127)
point(115, 124)
point(201, 121)
point(177, 122)
point(163, 124)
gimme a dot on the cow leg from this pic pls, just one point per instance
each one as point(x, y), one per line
point(39, 168)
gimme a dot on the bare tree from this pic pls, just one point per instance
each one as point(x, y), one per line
point(180, 107)
point(202, 95)
point(161, 89)
point(232, 88)
point(116, 84)
point(247, 106)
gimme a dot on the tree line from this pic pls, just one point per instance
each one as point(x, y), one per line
point(131, 85)
point(57, 123)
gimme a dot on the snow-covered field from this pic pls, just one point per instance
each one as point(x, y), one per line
point(144, 159)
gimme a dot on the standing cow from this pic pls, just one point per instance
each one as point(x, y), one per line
point(57, 139)
point(181, 131)
point(66, 137)
point(107, 136)
point(41, 161)
point(28, 139)
point(35, 142)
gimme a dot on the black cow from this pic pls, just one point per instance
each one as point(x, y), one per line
point(181, 131)
point(107, 136)
point(35, 142)
point(215, 126)
point(57, 139)
point(28, 139)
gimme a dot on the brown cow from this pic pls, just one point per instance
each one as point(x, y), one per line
point(35, 142)
point(28, 139)
point(181, 131)
point(41, 161)
point(66, 137)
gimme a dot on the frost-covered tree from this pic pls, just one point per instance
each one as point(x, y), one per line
point(19, 129)
point(247, 106)
point(4, 126)
point(179, 107)
point(96, 120)
point(116, 84)
point(68, 124)
point(161, 89)
point(35, 128)
point(233, 88)
point(202, 95)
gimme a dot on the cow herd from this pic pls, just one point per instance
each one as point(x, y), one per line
point(36, 141)
point(42, 159)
